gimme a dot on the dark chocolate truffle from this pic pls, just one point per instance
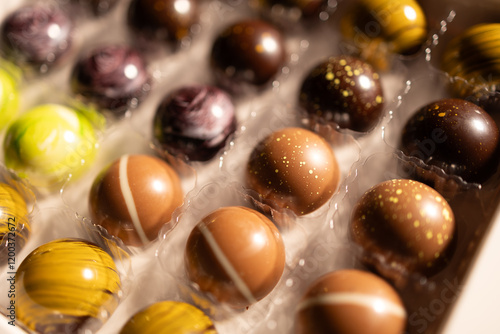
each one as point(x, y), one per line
point(455, 135)
point(472, 59)
point(295, 169)
point(248, 52)
point(134, 197)
point(194, 121)
point(112, 77)
point(167, 20)
point(36, 34)
point(344, 90)
point(235, 254)
point(403, 226)
point(350, 301)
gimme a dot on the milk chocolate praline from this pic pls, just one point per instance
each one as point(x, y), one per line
point(293, 169)
point(344, 90)
point(247, 52)
point(454, 135)
point(236, 255)
point(403, 227)
point(134, 197)
point(350, 301)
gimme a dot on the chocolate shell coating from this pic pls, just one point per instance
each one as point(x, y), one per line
point(403, 226)
point(36, 34)
point(235, 254)
point(250, 52)
point(112, 77)
point(168, 20)
point(293, 169)
point(134, 197)
point(195, 122)
point(350, 301)
point(455, 135)
point(344, 90)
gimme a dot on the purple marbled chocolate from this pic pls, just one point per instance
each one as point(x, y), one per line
point(37, 34)
point(194, 121)
point(112, 77)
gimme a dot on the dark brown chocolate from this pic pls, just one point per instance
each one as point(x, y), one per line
point(134, 197)
point(403, 226)
point(235, 254)
point(293, 169)
point(350, 301)
point(344, 90)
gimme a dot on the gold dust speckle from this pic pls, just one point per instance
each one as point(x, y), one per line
point(399, 191)
point(378, 99)
point(329, 76)
point(442, 114)
point(418, 197)
point(428, 235)
point(310, 171)
point(416, 223)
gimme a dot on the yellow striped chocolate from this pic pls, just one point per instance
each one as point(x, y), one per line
point(63, 283)
point(13, 217)
point(169, 317)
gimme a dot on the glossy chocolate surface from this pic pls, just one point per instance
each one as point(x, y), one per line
point(236, 255)
point(250, 51)
point(112, 77)
point(293, 169)
point(454, 135)
point(168, 20)
point(195, 122)
point(36, 34)
point(344, 90)
point(350, 301)
point(134, 197)
point(403, 226)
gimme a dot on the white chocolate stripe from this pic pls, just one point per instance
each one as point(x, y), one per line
point(226, 264)
point(380, 305)
point(129, 199)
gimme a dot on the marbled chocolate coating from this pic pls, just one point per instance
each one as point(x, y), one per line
point(36, 34)
point(350, 301)
point(163, 19)
point(112, 77)
point(235, 254)
point(250, 52)
point(344, 90)
point(195, 122)
point(134, 197)
point(455, 135)
point(403, 226)
point(472, 58)
point(169, 317)
point(295, 169)
point(63, 283)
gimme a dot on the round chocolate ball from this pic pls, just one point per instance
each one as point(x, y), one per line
point(112, 77)
point(194, 122)
point(344, 90)
point(36, 34)
point(9, 97)
point(293, 169)
point(98, 7)
point(247, 52)
point(350, 301)
point(400, 25)
point(455, 135)
point(15, 226)
point(169, 317)
point(472, 59)
point(167, 20)
point(64, 283)
point(134, 197)
point(236, 255)
point(403, 226)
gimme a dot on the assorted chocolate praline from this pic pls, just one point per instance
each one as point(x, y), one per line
point(249, 52)
point(163, 20)
point(36, 34)
point(350, 301)
point(344, 90)
point(194, 121)
point(113, 77)
point(454, 135)
point(403, 227)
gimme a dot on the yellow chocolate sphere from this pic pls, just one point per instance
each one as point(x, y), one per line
point(169, 317)
point(13, 217)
